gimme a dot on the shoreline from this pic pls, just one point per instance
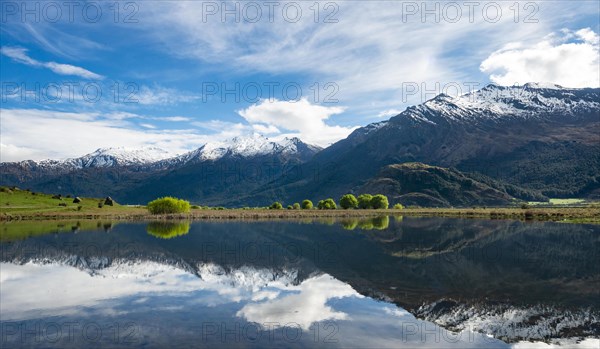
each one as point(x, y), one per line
point(559, 214)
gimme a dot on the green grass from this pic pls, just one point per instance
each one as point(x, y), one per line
point(17, 202)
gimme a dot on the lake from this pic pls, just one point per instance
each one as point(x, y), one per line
point(383, 282)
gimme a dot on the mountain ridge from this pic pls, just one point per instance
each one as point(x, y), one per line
point(543, 139)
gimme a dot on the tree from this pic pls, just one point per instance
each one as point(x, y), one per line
point(307, 204)
point(327, 204)
point(364, 201)
point(348, 201)
point(276, 206)
point(296, 206)
point(167, 205)
point(289, 207)
point(398, 207)
point(379, 201)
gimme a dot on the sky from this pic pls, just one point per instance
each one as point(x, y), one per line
point(77, 76)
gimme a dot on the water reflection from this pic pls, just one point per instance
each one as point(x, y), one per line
point(378, 223)
point(167, 229)
point(516, 281)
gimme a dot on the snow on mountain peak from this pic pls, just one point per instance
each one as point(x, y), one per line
point(245, 146)
point(106, 157)
point(494, 101)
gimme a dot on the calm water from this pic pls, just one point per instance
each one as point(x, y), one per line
point(385, 282)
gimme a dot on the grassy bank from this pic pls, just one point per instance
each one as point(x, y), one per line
point(25, 205)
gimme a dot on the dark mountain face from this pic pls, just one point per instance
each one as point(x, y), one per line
point(547, 139)
point(414, 183)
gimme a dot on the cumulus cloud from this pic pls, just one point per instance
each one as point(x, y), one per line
point(19, 55)
point(299, 118)
point(570, 59)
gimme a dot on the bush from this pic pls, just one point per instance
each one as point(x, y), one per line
point(289, 207)
point(348, 201)
point(195, 207)
point(168, 205)
point(364, 201)
point(398, 207)
point(296, 206)
point(276, 206)
point(307, 205)
point(379, 201)
point(524, 206)
point(327, 204)
point(79, 208)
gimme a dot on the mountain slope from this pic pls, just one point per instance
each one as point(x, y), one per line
point(547, 139)
point(423, 185)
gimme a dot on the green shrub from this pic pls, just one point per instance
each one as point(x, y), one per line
point(296, 206)
point(276, 206)
point(168, 204)
point(524, 206)
point(348, 201)
point(289, 207)
point(307, 204)
point(398, 207)
point(195, 207)
point(327, 204)
point(364, 201)
point(379, 201)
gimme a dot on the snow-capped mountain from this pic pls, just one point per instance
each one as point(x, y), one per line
point(247, 147)
point(120, 156)
point(240, 147)
point(103, 157)
point(538, 137)
point(138, 175)
point(495, 102)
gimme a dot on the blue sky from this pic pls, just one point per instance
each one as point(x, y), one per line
point(155, 73)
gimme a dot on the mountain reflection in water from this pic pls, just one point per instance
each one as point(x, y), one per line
point(384, 282)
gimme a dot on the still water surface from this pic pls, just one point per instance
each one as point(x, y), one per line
point(384, 282)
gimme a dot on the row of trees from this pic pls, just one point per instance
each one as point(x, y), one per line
point(364, 201)
point(168, 204)
point(348, 201)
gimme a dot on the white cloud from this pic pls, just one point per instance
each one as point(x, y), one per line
point(172, 118)
point(300, 118)
point(371, 49)
point(41, 134)
point(19, 54)
point(389, 113)
point(158, 95)
point(570, 59)
point(304, 308)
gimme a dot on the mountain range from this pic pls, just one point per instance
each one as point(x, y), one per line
point(487, 147)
